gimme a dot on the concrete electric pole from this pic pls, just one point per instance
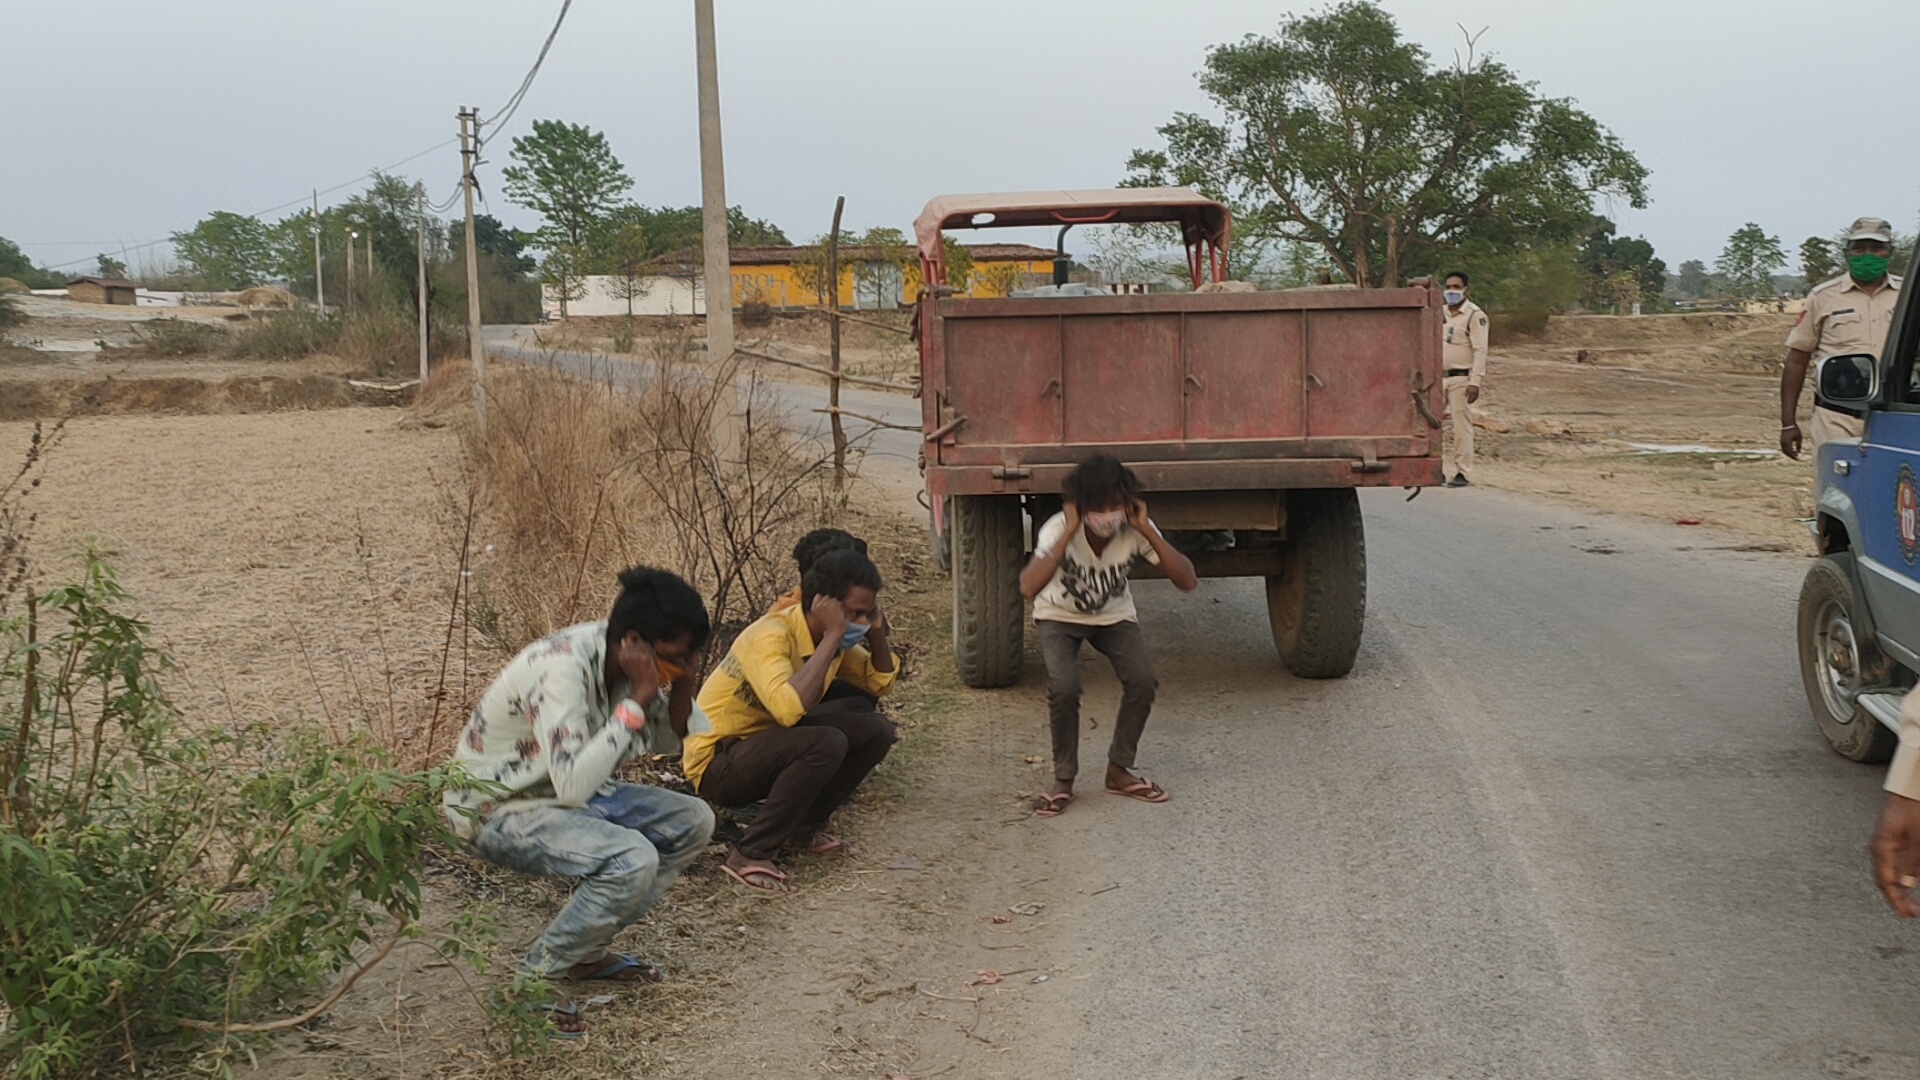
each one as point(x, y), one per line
point(468, 118)
point(420, 258)
point(713, 206)
point(319, 281)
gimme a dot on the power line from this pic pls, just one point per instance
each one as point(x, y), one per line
point(506, 111)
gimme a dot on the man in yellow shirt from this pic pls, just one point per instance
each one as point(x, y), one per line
point(763, 731)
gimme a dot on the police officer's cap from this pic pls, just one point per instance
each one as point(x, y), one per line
point(1870, 228)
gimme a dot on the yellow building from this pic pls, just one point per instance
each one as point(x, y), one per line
point(780, 277)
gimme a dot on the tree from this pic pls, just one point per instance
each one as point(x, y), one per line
point(1692, 280)
point(233, 251)
point(631, 264)
point(1817, 263)
point(15, 264)
point(568, 175)
point(564, 270)
point(1605, 258)
point(107, 266)
point(1337, 133)
point(1746, 266)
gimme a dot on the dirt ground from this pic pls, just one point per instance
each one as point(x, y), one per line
point(302, 561)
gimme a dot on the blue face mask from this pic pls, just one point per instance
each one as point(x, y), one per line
point(1454, 297)
point(856, 632)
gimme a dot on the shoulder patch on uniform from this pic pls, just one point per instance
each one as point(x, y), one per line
point(1483, 320)
point(1802, 318)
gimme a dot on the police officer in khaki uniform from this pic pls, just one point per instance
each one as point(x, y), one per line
point(1847, 314)
point(1463, 356)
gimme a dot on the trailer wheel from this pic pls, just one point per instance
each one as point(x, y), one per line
point(1317, 604)
point(988, 617)
point(1833, 660)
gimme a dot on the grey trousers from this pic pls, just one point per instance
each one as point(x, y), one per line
point(1126, 648)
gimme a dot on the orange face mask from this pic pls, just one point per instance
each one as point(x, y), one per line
point(670, 672)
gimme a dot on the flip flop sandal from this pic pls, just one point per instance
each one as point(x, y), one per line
point(566, 1010)
point(1052, 805)
point(1142, 789)
point(624, 969)
point(741, 876)
point(827, 844)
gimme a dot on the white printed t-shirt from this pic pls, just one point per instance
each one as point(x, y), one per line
point(1086, 588)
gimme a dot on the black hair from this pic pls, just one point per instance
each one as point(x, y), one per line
point(1461, 274)
point(1100, 481)
point(835, 574)
point(819, 542)
point(659, 606)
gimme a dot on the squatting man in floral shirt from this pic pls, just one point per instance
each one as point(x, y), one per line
point(544, 744)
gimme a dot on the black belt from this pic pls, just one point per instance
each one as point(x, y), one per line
point(1453, 371)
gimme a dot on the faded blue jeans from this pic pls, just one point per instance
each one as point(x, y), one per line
point(626, 849)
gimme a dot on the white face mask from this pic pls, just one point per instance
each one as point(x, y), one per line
point(1106, 522)
point(1454, 297)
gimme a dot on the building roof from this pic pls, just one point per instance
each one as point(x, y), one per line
point(104, 282)
point(1200, 218)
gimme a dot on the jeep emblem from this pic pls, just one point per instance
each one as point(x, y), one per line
point(1906, 502)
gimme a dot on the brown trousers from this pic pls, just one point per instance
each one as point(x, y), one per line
point(1126, 648)
point(799, 775)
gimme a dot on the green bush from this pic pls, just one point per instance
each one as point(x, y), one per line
point(10, 313)
point(160, 877)
point(177, 338)
point(285, 335)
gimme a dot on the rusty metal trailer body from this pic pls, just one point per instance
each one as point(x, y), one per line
point(1253, 414)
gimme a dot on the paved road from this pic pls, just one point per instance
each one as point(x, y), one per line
point(1568, 818)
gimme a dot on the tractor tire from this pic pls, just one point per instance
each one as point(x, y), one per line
point(1833, 660)
point(989, 618)
point(1317, 604)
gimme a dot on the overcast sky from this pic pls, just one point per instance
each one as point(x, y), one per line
point(125, 121)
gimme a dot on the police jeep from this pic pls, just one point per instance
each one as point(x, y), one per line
point(1859, 618)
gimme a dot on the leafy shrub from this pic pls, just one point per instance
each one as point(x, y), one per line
point(158, 876)
point(177, 338)
point(286, 335)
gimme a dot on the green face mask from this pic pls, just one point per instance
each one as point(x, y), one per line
point(1867, 267)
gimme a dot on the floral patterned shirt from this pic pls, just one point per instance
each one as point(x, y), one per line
point(545, 731)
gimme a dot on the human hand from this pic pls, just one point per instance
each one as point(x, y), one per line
point(877, 626)
point(1790, 441)
point(1896, 854)
point(1137, 515)
point(1073, 520)
point(1473, 394)
point(642, 668)
point(833, 616)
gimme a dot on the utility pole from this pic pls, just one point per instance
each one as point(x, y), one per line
point(420, 255)
point(833, 348)
point(713, 217)
point(468, 119)
point(319, 282)
point(351, 237)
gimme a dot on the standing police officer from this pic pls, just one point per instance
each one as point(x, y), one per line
point(1463, 355)
point(1846, 314)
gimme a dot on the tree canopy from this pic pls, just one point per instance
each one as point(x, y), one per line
point(1619, 270)
point(568, 175)
point(1747, 264)
point(226, 250)
point(1337, 133)
point(1817, 261)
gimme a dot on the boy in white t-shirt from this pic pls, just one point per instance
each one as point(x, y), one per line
point(1078, 584)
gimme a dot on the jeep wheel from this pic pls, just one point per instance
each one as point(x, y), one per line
point(1832, 658)
point(988, 615)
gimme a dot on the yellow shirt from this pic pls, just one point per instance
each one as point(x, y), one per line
point(749, 692)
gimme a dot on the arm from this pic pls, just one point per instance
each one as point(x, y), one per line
point(809, 684)
point(1049, 547)
point(680, 702)
point(1179, 568)
point(578, 759)
point(1896, 842)
point(1792, 377)
point(1477, 337)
